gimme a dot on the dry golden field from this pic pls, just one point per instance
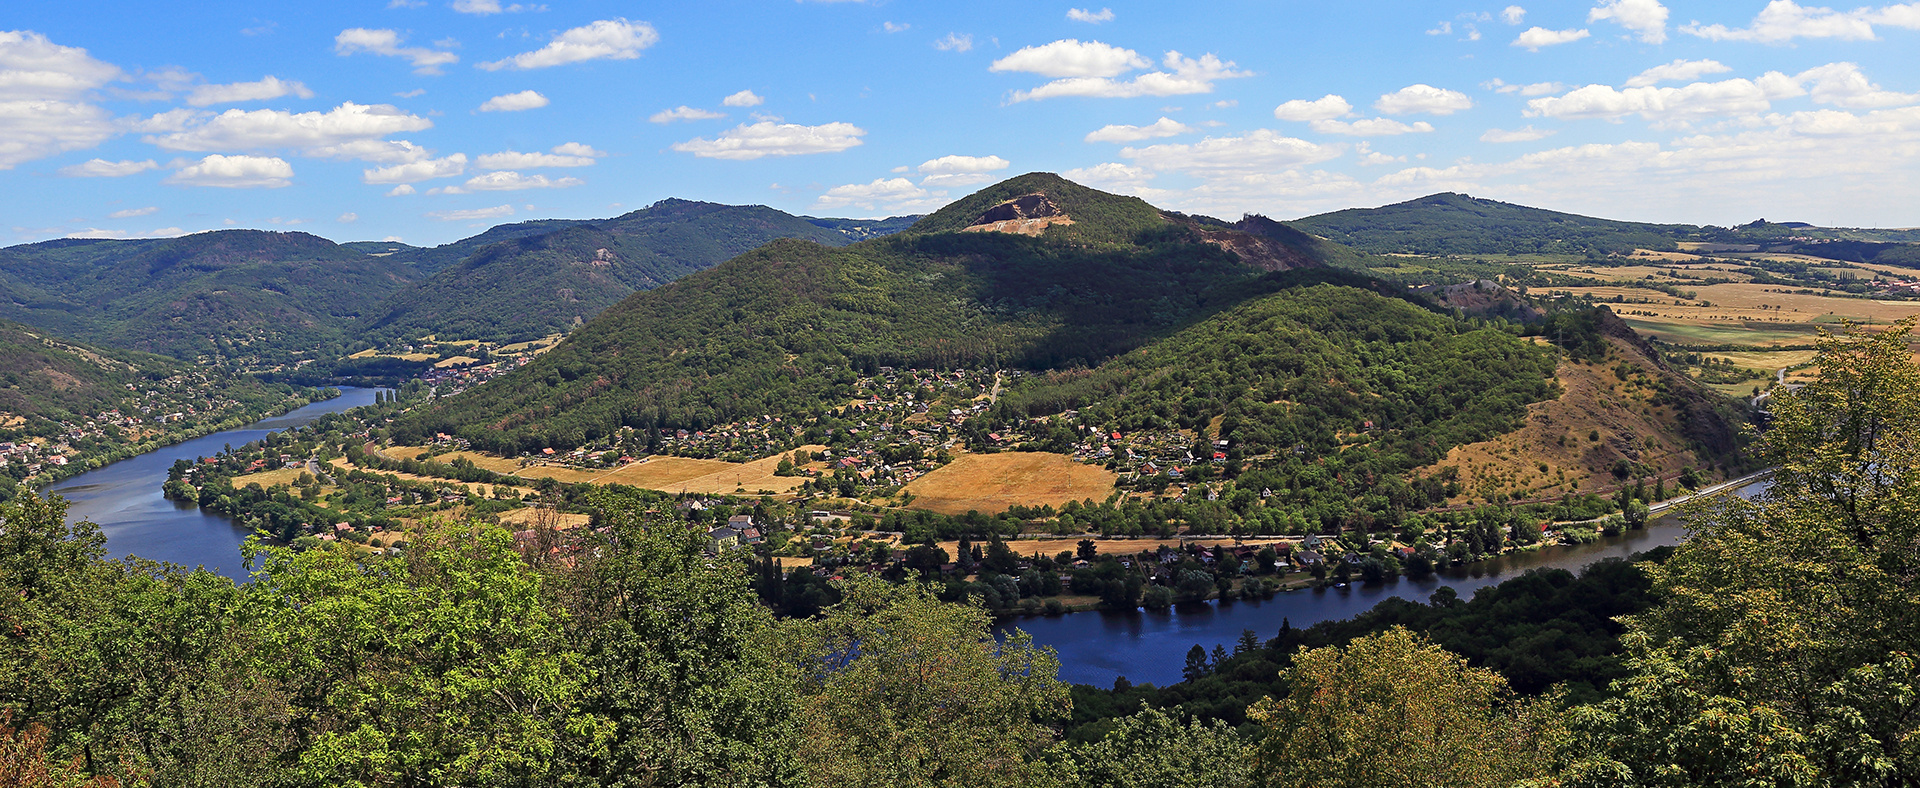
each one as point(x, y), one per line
point(666, 474)
point(989, 483)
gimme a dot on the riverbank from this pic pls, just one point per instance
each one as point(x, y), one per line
point(93, 462)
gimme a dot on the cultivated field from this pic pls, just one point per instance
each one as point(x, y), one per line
point(666, 474)
point(989, 483)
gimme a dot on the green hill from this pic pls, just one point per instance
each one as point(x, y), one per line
point(536, 283)
point(1458, 224)
point(781, 329)
point(248, 297)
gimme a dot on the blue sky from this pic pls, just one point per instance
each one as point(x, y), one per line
point(427, 120)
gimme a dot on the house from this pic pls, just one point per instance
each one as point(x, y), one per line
point(722, 538)
point(1310, 558)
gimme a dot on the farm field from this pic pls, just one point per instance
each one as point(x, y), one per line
point(989, 483)
point(666, 474)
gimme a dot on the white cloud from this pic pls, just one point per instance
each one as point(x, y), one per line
point(1843, 85)
point(508, 181)
point(1785, 20)
point(515, 160)
point(893, 27)
point(1111, 176)
point(1699, 99)
point(387, 42)
point(472, 214)
point(377, 151)
point(1189, 75)
point(270, 87)
point(745, 98)
point(235, 172)
point(416, 171)
point(414, 93)
point(1442, 29)
point(1646, 18)
point(1164, 127)
point(578, 149)
point(607, 39)
point(883, 194)
point(960, 170)
point(101, 168)
point(1422, 98)
point(1326, 107)
point(1677, 71)
point(1537, 37)
point(955, 42)
point(42, 85)
point(132, 212)
point(1533, 89)
point(486, 7)
point(684, 112)
point(268, 129)
point(770, 138)
point(97, 233)
point(515, 102)
point(1257, 150)
point(1371, 127)
point(1072, 58)
point(1523, 134)
point(1368, 157)
point(1089, 15)
point(1513, 14)
point(348, 218)
point(401, 190)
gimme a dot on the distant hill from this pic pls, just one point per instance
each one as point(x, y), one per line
point(862, 229)
point(531, 281)
point(1458, 224)
point(1038, 273)
point(248, 297)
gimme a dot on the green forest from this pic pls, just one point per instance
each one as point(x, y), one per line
point(1774, 647)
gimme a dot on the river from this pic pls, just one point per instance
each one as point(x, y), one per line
point(125, 500)
point(1151, 646)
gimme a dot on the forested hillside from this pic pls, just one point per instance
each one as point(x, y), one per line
point(246, 297)
point(1458, 224)
point(781, 329)
point(530, 284)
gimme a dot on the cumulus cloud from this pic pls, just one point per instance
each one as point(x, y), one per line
point(235, 172)
point(883, 194)
point(486, 7)
point(377, 151)
point(348, 218)
point(42, 87)
point(401, 190)
point(1646, 18)
point(515, 102)
point(133, 212)
point(1111, 176)
point(387, 43)
point(607, 39)
point(1677, 71)
point(1536, 37)
point(1182, 75)
point(270, 87)
point(571, 154)
point(1532, 89)
point(508, 181)
point(269, 129)
point(948, 171)
point(1371, 127)
point(1513, 14)
point(1164, 127)
point(1090, 16)
point(1842, 84)
point(414, 172)
point(101, 168)
point(472, 214)
point(745, 98)
point(1523, 134)
point(955, 42)
point(1784, 20)
point(1261, 149)
point(1326, 107)
point(771, 138)
point(684, 112)
point(1699, 99)
point(1423, 99)
point(1072, 58)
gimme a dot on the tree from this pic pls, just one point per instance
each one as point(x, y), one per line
point(1152, 749)
point(1785, 639)
point(902, 689)
point(1394, 711)
point(1197, 666)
